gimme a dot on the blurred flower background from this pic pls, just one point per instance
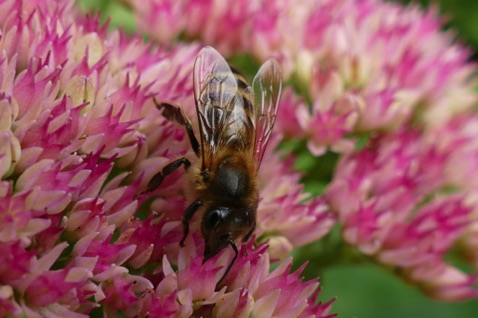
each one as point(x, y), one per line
point(373, 183)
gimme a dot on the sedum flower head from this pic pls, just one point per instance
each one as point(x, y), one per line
point(364, 65)
point(393, 202)
point(380, 85)
point(80, 137)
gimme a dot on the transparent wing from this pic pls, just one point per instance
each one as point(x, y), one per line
point(224, 114)
point(267, 88)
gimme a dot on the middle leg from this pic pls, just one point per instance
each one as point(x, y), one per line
point(158, 178)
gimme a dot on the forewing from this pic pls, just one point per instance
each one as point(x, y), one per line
point(223, 115)
point(267, 88)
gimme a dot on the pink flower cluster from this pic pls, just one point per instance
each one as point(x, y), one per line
point(364, 69)
point(393, 204)
point(363, 64)
point(80, 137)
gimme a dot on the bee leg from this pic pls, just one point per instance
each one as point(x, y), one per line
point(249, 234)
point(188, 214)
point(158, 178)
point(236, 252)
point(176, 115)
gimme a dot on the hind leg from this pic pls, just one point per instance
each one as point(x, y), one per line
point(176, 115)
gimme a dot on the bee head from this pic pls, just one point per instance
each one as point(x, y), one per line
point(222, 226)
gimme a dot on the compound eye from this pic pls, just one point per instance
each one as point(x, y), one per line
point(213, 218)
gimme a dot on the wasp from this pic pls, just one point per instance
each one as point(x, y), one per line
point(235, 123)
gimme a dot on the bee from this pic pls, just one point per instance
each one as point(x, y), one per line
point(235, 123)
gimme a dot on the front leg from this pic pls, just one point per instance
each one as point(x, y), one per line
point(236, 252)
point(188, 215)
point(249, 234)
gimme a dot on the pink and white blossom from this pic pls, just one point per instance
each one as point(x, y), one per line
point(80, 138)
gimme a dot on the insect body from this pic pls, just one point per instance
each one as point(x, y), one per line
point(235, 123)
